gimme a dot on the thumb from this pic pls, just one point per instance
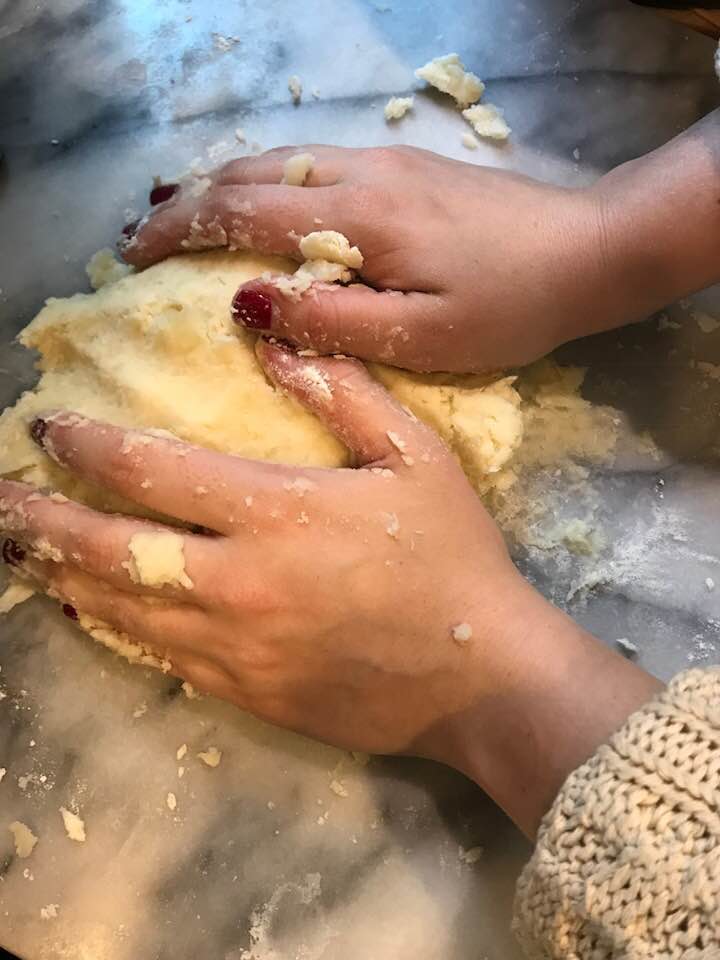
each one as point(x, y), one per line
point(356, 408)
point(404, 329)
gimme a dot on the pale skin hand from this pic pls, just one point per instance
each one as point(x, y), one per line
point(495, 269)
point(325, 600)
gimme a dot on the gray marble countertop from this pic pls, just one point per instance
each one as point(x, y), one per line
point(261, 858)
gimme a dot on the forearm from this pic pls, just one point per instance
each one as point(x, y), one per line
point(659, 226)
point(550, 695)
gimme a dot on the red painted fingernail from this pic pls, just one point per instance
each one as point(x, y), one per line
point(70, 612)
point(162, 193)
point(12, 553)
point(38, 429)
point(252, 309)
point(130, 229)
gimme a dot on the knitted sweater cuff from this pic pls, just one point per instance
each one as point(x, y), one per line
point(627, 863)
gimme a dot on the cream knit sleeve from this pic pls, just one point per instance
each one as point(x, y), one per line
point(627, 863)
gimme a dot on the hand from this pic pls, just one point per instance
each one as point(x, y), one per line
point(494, 269)
point(374, 608)
point(323, 600)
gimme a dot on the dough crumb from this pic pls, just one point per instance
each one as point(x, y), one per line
point(462, 633)
point(397, 107)
point(488, 121)
point(103, 268)
point(330, 245)
point(15, 593)
point(338, 788)
point(295, 88)
point(707, 323)
point(470, 856)
point(710, 583)
point(24, 838)
point(171, 801)
point(181, 752)
point(3, 771)
point(448, 74)
point(240, 135)
point(157, 559)
point(74, 825)
point(470, 141)
point(297, 168)
point(49, 912)
point(189, 690)
point(392, 525)
point(211, 757)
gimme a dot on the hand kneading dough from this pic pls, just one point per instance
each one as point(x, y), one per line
point(159, 350)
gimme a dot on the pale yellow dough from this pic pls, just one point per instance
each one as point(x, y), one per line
point(157, 560)
point(159, 350)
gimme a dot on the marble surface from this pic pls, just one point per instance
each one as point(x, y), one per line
point(261, 858)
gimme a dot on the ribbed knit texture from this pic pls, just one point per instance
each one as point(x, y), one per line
point(627, 863)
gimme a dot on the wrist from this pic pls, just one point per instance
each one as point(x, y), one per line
point(658, 224)
point(545, 696)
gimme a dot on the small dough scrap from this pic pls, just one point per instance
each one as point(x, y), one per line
point(488, 121)
point(295, 88)
point(322, 271)
point(24, 838)
point(157, 560)
point(211, 757)
point(297, 168)
point(104, 267)
point(449, 75)
point(397, 107)
point(330, 245)
point(470, 141)
point(74, 825)
point(16, 592)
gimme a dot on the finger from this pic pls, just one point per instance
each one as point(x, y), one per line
point(404, 329)
point(357, 409)
point(131, 554)
point(214, 490)
point(268, 218)
point(328, 167)
point(160, 473)
point(159, 623)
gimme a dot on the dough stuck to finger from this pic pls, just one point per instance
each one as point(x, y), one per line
point(159, 350)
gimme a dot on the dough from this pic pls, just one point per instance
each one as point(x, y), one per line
point(487, 121)
point(330, 245)
point(24, 838)
point(158, 350)
point(449, 75)
point(295, 88)
point(397, 107)
point(74, 825)
point(157, 560)
point(296, 169)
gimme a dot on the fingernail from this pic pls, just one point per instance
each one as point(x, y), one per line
point(252, 309)
point(162, 193)
point(12, 553)
point(70, 612)
point(38, 429)
point(130, 229)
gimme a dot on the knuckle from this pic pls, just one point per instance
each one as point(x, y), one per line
point(320, 320)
